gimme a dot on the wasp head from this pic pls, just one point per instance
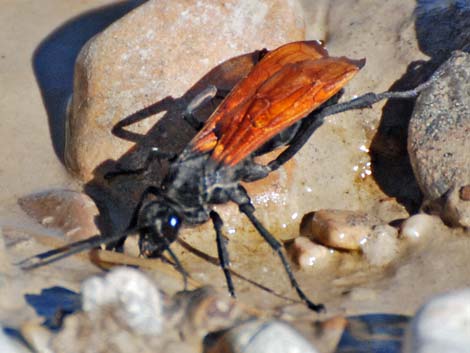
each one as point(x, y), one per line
point(159, 224)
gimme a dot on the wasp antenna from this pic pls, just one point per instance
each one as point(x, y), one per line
point(54, 255)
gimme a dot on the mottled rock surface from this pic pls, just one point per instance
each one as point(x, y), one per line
point(439, 130)
point(161, 50)
point(71, 212)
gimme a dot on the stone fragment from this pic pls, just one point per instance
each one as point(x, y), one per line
point(262, 336)
point(132, 297)
point(441, 325)
point(152, 60)
point(456, 210)
point(306, 254)
point(381, 247)
point(71, 212)
point(338, 228)
point(439, 130)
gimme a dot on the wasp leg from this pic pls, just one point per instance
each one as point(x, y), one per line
point(145, 113)
point(222, 251)
point(209, 93)
point(316, 119)
point(253, 171)
point(308, 127)
point(240, 197)
point(153, 154)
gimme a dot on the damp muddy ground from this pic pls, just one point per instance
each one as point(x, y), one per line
point(37, 52)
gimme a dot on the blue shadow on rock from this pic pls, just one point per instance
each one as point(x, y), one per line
point(53, 62)
point(373, 333)
point(54, 304)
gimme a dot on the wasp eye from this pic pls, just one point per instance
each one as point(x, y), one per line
point(170, 226)
point(174, 221)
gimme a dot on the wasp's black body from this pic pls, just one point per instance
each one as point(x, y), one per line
point(193, 184)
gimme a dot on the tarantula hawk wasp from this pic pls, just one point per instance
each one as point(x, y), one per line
point(282, 101)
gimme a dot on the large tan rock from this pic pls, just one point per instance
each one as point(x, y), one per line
point(161, 49)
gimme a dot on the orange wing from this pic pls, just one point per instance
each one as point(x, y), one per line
point(285, 86)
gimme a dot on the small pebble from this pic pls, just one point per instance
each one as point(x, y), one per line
point(262, 336)
point(305, 253)
point(441, 325)
point(71, 212)
point(338, 228)
point(464, 193)
point(381, 246)
point(131, 295)
point(417, 227)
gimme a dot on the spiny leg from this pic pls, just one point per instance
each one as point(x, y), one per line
point(241, 198)
point(209, 93)
point(316, 119)
point(248, 210)
point(202, 98)
point(222, 251)
point(143, 114)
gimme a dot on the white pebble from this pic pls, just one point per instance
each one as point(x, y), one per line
point(441, 326)
point(305, 253)
point(417, 227)
point(263, 336)
point(381, 247)
point(133, 297)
